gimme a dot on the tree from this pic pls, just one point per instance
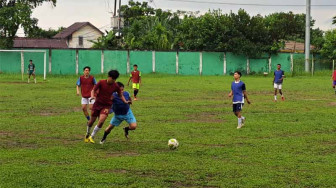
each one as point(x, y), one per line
point(41, 33)
point(329, 47)
point(110, 41)
point(16, 13)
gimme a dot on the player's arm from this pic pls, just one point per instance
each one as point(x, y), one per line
point(283, 75)
point(121, 95)
point(230, 94)
point(95, 91)
point(245, 96)
point(129, 79)
point(140, 78)
point(78, 86)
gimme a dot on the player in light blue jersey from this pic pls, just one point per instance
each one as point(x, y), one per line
point(279, 75)
point(238, 91)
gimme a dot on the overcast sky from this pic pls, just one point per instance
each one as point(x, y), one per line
point(98, 12)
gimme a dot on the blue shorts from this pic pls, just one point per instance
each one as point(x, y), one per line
point(237, 107)
point(334, 82)
point(117, 119)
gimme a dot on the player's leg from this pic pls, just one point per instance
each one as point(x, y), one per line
point(102, 117)
point(280, 91)
point(85, 102)
point(334, 84)
point(115, 121)
point(34, 78)
point(275, 91)
point(88, 128)
point(238, 109)
point(135, 90)
point(29, 74)
point(131, 122)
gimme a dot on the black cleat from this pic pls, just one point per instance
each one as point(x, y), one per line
point(126, 132)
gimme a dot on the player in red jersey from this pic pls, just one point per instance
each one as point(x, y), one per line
point(135, 76)
point(333, 77)
point(102, 92)
point(86, 82)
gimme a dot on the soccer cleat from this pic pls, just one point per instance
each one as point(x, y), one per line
point(91, 140)
point(86, 139)
point(282, 98)
point(102, 142)
point(126, 132)
point(239, 126)
point(135, 99)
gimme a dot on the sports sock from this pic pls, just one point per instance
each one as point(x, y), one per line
point(105, 135)
point(127, 128)
point(239, 121)
point(28, 80)
point(35, 80)
point(275, 97)
point(88, 129)
point(95, 130)
point(136, 92)
point(88, 118)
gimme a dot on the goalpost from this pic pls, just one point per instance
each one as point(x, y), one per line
point(22, 60)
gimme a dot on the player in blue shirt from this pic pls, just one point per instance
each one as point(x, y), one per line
point(279, 75)
point(238, 91)
point(122, 112)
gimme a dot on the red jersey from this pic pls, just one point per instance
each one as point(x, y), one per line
point(86, 85)
point(334, 75)
point(105, 92)
point(135, 75)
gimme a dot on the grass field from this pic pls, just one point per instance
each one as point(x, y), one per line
point(284, 144)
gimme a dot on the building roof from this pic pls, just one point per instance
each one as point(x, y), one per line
point(73, 28)
point(292, 46)
point(22, 42)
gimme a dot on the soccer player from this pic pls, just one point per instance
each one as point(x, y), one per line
point(136, 80)
point(238, 91)
point(102, 93)
point(122, 112)
point(279, 75)
point(86, 82)
point(333, 77)
point(31, 70)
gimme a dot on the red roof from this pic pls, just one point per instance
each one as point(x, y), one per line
point(39, 43)
point(73, 28)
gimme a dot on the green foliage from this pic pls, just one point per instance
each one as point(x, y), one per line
point(283, 144)
point(334, 20)
point(16, 13)
point(110, 41)
point(329, 47)
point(41, 33)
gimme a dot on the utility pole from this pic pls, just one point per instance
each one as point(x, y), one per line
point(307, 40)
point(119, 19)
point(115, 8)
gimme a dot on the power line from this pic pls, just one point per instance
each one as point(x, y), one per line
point(247, 4)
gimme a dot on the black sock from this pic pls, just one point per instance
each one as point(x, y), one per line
point(105, 135)
point(136, 92)
point(127, 129)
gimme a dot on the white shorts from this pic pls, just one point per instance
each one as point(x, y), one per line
point(87, 100)
point(277, 85)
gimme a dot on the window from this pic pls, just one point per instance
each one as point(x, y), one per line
point(80, 41)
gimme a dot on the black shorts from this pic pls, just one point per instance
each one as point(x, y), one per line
point(237, 107)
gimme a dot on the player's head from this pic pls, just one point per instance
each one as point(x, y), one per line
point(113, 74)
point(279, 66)
point(135, 67)
point(86, 70)
point(30, 61)
point(121, 85)
point(237, 75)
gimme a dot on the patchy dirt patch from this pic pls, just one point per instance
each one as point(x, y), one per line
point(332, 104)
point(6, 134)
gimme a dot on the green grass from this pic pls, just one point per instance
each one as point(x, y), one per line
point(284, 144)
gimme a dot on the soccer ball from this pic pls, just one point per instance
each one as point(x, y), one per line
point(173, 143)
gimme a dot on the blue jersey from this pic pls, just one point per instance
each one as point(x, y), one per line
point(118, 106)
point(237, 89)
point(278, 74)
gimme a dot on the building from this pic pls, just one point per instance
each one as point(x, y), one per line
point(22, 42)
point(80, 35)
point(295, 47)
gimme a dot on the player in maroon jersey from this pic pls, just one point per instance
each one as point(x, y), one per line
point(135, 76)
point(86, 82)
point(102, 93)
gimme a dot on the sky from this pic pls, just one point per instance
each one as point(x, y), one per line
point(99, 12)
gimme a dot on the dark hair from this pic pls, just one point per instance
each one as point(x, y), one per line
point(30, 60)
point(87, 67)
point(279, 64)
point(135, 65)
point(120, 84)
point(238, 72)
point(114, 74)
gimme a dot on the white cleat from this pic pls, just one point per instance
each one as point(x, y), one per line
point(102, 142)
point(239, 126)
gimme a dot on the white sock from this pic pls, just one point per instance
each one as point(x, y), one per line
point(28, 80)
point(239, 121)
point(95, 130)
point(275, 97)
point(242, 117)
